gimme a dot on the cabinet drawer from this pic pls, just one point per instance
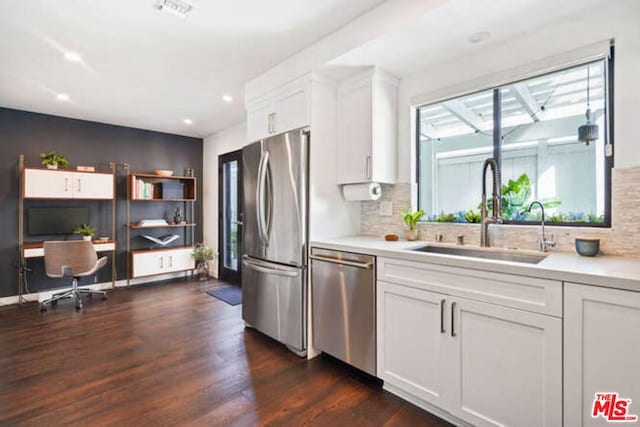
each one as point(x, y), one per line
point(526, 293)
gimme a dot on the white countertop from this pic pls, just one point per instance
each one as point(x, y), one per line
point(604, 270)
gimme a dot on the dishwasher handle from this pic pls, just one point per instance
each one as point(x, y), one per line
point(363, 265)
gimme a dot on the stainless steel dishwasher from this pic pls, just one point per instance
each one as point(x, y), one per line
point(344, 306)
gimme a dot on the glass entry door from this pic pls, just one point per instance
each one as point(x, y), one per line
point(230, 216)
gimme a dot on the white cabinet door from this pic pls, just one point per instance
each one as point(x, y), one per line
point(411, 337)
point(91, 185)
point(47, 184)
point(148, 263)
point(354, 150)
point(258, 121)
point(179, 260)
point(507, 365)
point(601, 350)
point(290, 109)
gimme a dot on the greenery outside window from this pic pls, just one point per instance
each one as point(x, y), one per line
point(530, 128)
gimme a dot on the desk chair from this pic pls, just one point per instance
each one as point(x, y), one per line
point(72, 258)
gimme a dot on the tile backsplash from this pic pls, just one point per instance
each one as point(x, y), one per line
point(623, 238)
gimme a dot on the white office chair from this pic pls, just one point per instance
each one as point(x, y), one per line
point(72, 258)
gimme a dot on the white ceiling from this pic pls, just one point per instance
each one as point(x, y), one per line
point(443, 33)
point(149, 69)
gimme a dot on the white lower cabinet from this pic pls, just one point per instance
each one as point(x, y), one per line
point(601, 351)
point(483, 363)
point(152, 262)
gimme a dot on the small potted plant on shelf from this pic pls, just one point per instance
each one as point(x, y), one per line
point(85, 230)
point(411, 219)
point(53, 160)
point(202, 255)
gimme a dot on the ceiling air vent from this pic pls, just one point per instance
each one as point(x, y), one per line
point(176, 7)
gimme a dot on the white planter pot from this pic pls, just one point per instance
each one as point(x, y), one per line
point(87, 238)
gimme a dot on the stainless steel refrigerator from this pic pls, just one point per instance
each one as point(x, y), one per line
point(274, 260)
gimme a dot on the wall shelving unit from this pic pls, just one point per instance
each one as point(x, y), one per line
point(63, 185)
point(161, 260)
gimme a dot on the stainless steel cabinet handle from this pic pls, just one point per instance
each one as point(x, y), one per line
point(365, 265)
point(262, 178)
point(442, 303)
point(453, 315)
point(161, 262)
point(269, 123)
point(170, 260)
point(274, 122)
point(368, 167)
point(66, 184)
point(79, 185)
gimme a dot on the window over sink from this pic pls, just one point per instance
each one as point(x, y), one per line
point(530, 127)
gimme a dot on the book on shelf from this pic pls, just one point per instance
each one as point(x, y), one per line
point(143, 190)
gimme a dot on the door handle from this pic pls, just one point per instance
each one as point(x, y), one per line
point(259, 191)
point(275, 122)
point(170, 260)
point(368, 167)
point(442, 303)
point(79, 186)
point(66, 184)
point(365, 265)
point(453, 315)
point(161, 262)
point(240, 223)
point(268, 270)
point(262, 221)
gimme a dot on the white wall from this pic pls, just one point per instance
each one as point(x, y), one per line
point(615, 19)
point(225, 141)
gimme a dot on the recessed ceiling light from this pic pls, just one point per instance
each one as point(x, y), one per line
point(188, 121)
point(62, 97)
point(479, 37)
point(227, 98)
point(72, 57)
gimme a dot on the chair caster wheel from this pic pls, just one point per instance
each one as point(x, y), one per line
point(104, 297)
point(78, 307)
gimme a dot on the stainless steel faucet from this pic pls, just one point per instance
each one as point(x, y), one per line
point(543, 243)
point(495, 214)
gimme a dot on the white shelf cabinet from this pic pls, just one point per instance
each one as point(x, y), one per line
point(601, 350)
point(481, 362)
point(367, 128)
point(282, 109)
point(153, 262)
point(60, 184)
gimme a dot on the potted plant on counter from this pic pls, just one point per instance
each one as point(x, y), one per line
point(411, 219)
point(53, 160)
point(202, 255)
point(85, 230)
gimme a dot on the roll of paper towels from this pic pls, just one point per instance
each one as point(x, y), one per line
point(371, 191)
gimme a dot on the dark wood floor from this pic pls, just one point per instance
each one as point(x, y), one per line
point(168, 354)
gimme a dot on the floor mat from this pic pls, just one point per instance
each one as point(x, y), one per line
point(232, 295)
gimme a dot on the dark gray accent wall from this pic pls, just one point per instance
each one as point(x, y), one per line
point(85, 143)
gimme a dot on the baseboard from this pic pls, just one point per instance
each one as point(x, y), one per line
point(425, 405)
point(46, 294)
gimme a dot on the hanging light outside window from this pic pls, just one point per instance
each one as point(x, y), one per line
point(589, 131)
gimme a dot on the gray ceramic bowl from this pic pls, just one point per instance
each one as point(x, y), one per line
point(587, 246)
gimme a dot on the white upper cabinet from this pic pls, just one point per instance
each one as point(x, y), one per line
point(281, 110)
point(601, 350)
point(60, 184)
point(367, 128)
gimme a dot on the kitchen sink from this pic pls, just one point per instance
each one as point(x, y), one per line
point(512, 255)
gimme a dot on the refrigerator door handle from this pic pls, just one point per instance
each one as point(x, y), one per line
point(265, 268)
point(262, 181)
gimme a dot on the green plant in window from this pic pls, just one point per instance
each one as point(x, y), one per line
point(446, 217)
point(516, 197)
point(412, 218)
point(472, 217)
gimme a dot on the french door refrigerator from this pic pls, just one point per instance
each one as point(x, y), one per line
point(274, 260)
